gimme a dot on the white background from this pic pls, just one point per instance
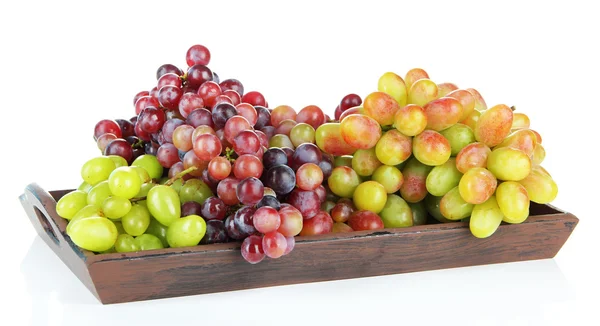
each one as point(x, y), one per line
point(64, 66)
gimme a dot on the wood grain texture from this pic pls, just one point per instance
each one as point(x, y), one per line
point(173, 272)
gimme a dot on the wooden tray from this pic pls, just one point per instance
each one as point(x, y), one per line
point(173, 272)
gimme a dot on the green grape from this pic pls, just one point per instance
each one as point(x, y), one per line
point(329, 139)
point(116, 207)
point(302, 133)
point(393, 148)
point(396, 213)
point(194, 190)
point(158, 230)
point(454, 207)
point(390, 178)
point(486, 218)
point(124, 182)
point(186, 231)
point(419, 213)
point(144, 189)
point(136, 221)
point(432, 205)
point(119, 226)
point(394, 86)
point(97, 170)
point(422, 92)
point(540, 186)
point(344, 160)
point(126, 243)
point(327, 206)
point(370, 196)
point(343, 181)
point(509, 164)
point(148, 242)
point(71, 203)
point(364, 162)
point(281, 140)
point(142, 173)
point(443, 178)
point(87, 211)
point(163, 203)
point(150, 164)
point(539, 154)
point(513, 201)
point(458, 136)
point(93, 233)
point(119, 160)
point(85, 187)
point(494, 125)
point(98, 194)
point(176, 185)
point(523, 139)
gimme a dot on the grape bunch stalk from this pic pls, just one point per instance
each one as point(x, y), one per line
point(203, 162)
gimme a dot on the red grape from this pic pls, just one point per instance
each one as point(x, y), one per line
point(226, 191)
point(121, 148)
point(177, 168)
point(291, 243)
point(350, 101)
point(365, 220)
point(144, 102)
point(342, 211)
point(197, 55)
point(222, 99)
point(232, 84)
point(140, 94)
point(264, 140)
point(309, 176)
point(246, 142)
point(254, 98)
point(274, 244)
point(182, 137)
point(243, 220)
point(169, 97)
point(250, 191)
point(221, 113)
point(215, 232)
point(321, 192)
point(126, 126)
point(234, 126)
point(247, 111)
point(263, 117)
point(169, 127)
point(233, 96)
point(282, 112)
point(232, 230)
point(285, 127)
point(207, 147)
point(151, 119)
point(190, 208)
point(213, 208)
point(107, 126)
point(319, 224)
point(208, 92)
point(191, 160)
point(104, 140)
point(169, 79)
point(168, 68)
point(313, 115)
point(167, 155)
point(219, 168)
point(247, 166)
point(198, 74)
point(190, 102)
point(307, 202)
point(200, 117)
point(252, 249)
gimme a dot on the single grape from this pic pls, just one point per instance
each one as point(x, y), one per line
point(250, 191)
point(192, 208)
point(280, 178)
point(445, 88)
point(466, 99)
point(248, 112)
point(443, 113)
point(365, 220)
point(207, 146)
point(307, 202)
point(419, 213)
point(126, 243)
point(321, 223)
point(158, 230)
point(170, 79)
point(343, 181)
point(243, 220)
point(365, 161)
point(209, 91)
point(164, 204)
point(494, 125)
point(443, 178)
point(98, 194)
point(116, 207)
point(247, 166)
point(524, 140)
point(410, 120)
point(71, 203)
point(167, 155)
point(168, 68)
point(281, 141)
point(414, 188)
point(232, 95)
point(486, 218)
point(471, 156)
point(246, 142)
point(454, 207)
point(269, 201)
point(263, 118)
point(266, 219)
point(459, 136)
point(396, 213)
point(513, 201)
point(329, 139)
point(282, 112)
point(151, 164)
point(231, 230)
point(137, 220)
point(190, 160)
point(232, 84)
point(189, 102)
point(285, 127)
point(254, 98)
point(360, 131)
point(107, 126)
point(148, 242)
point(93, 233)
point(390, 177)
point(342, 210)
point(540, 186)
point(509, 164)
point(226, 190)
point(124, 182)
point(200, 117)
point(197, 75)
point(431, 148)
point(413, 75)
point(302, 133)
point(341, 228)
point(97, 169)
point(381, 107)
point(194, 190)
point(306, 153)
point(520, 121)
point(140, 94)
point(480, 104)
point(312, 115)
point(219, 168)
point(186, 231)
point(169, 97)
point(252, 249)
point(477, 185)
point(291, 220)
point(215, 232)
point(370, 195)
point(274, 244)
point(197, 55)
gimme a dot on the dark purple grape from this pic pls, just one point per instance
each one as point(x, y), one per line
point(197, 75)
point(127, 128)
point(191, 208)
point(263, 117)
point(121, 148)
point(216, 78)
point(210, 181)
point(269, 131)
point(137, 152)
point(151, 148)
point(134, 141)
point(151, 119)
point(281, 179)
point(274, 156)
point(306, 153)
point(326, 166)
point(232, 84)
point(270, 201)
point(221, 113)
point(169, 127)
point(307, 202)
point(289, 152)
point(243, 220)
point(215, 232)
point(200, 117)
point(232, 231)
point(168, 68)
point(213, 208)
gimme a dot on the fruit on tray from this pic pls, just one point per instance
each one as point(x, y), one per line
point(205, 161)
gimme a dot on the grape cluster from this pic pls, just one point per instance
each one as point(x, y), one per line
point(203, 162)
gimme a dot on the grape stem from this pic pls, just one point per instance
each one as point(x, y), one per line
point(514, 108)
point(180, 175)
point(133, 200)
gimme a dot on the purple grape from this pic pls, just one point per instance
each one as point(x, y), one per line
point(274, 156)
point(191, 208)
point(213, 208)
point(215, 232)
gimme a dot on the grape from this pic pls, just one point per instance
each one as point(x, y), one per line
point(169, 97)
point(520, 121)
point(247, 166)
point(349, 101)
point(232, 84)
point(494, 125)
point(234, 126)
point(329, 139)
point(221, 113)
point(413, 75)
point(231, 230)
point(509, 164)
point(87, 211)
point(219, 168)
point(454, 207)
point(209, 91)
point(281, 141)
point(167, 155)
point(274, 244)
point(540, 186)
point(126, 243)
point(197, 55)
point(302, 133)
point(197, 75)
point(326, 165)
point(243, 220)
point(250, 191)
point(93, 233)
point(191, 160)
point(158, 230)
point(396, 213)
point(124, 182)
point(211, 182)
point(200, 117)
point(419, 213)
point(148, 242)
point(107, 126)
point(479, 101)
point(309, 176)
point(285, 127)
point(246, 142)
point(207, 146)
point(232, 95)
point(193, 208)
point(150, 164)
point(222, 99)
point(215, 232)
point(432, 205)
point(104, 140)
point(141, 134)
point(513, 201)
point(168, 68)
point(182, 137)
point(477, 185)
point(281, 179)
point(410, 120)
point(486, 218)
point(312, 115)
point(327, 206)
point(342, 210)
point(269, 201)
point(321, 192)
point(137, 220)
point(393, 85)
point(414, 188)
point(355, 110)
point(524, 140)
point(471, 120)
point(273, 157)
point(446, 88)
point(343, 181)
point(195, 190)
point(394, 148)
point(201, 130)
point(365, 161)
point(443, 178)
point(169, 127)
point(321, 223)
point(291, 220)
point(422, 92)
point(282, 112)
point(115, 207)
point(97, 169)
point(341, 228)
point(337, 113)
point(98, 194)
point(254, 98)
point(471, 156)
point(248, 112)
point(263, 117)
point(306, 153)
point(189, 102)
point(443, 113)
point(431, 148)
point(360, 131)
point(370, 195)
point(226, 190)
point(389, 177)
point(169, 79)
point(458, 136)
point(466, 99)
point(163, 203)
point(381, 107)
point(71, 203)
point(365, 220)
point(252, 249)
point(266, 219)
point(140, 94)
point(145, 102)
point(539, 153)
point(288, 152)
point(186, 231)
point(307, 202)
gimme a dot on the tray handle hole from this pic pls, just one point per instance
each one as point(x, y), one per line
point(46, 225)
